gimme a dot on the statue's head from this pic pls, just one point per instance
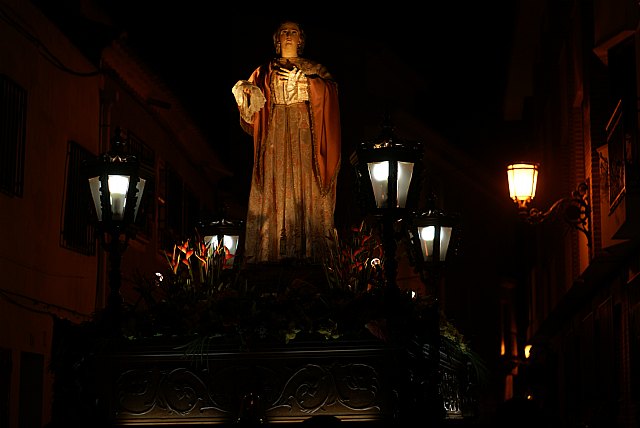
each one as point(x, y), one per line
point(284, 26)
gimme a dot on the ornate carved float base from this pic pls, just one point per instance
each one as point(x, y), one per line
point(154, 387)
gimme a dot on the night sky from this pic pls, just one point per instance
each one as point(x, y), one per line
point(438, 70)
point(444, 63)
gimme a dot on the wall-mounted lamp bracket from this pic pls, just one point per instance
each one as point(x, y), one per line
point(574, 210)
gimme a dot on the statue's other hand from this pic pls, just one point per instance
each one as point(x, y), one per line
point(290, 75)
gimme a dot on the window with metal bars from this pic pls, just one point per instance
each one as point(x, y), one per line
point(13, 128)
point(78, 231)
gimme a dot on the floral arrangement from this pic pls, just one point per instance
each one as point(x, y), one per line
point(204, 298)
point(355, 262)
point(202, 295)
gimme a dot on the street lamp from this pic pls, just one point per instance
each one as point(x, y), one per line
point(574, 209)
point(386, 170)
point(430, 237)
point(116, 189)
point(224, 235)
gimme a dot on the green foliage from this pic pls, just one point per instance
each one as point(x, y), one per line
point(454, 341)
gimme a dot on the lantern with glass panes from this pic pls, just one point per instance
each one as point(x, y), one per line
point(116, 189)
point(430, 235)
point(387, 175)
point(574, 209)
point(224, 238)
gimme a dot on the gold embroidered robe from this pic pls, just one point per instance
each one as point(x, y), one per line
point(297, 146)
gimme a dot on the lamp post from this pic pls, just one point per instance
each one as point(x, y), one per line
point(116, 189)
point(574, 209)
point(386, 167)
point(430, 237)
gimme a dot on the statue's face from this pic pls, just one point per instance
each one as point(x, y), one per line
point(289, 37)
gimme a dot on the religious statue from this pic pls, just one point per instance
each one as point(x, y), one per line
point(290, 107)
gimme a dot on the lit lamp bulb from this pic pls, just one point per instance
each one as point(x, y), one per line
point(379, 172)
point(427, 241)
point(118, 186)
point(523, 179)
point(228, 241)
point(428, 233)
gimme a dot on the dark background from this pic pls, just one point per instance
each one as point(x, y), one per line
point(439, 68)
point(456, 52)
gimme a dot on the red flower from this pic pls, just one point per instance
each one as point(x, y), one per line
point(174, 260)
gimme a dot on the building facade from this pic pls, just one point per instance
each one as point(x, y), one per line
point(61, 104)
point(578, 295)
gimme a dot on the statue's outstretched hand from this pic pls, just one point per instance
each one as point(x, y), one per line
point(249, 98)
